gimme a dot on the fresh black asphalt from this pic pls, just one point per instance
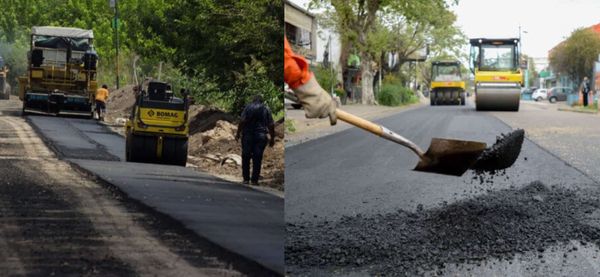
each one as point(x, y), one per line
point(354, 204)
point(239, 219)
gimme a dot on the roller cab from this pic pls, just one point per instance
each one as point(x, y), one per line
point(447, 86)
point(157, 130)
point(498, 78)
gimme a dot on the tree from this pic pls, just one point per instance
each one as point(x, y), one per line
point(431, 28)
point(373, 27)
point(575, 56)
point(533, 74)
point(212, 46)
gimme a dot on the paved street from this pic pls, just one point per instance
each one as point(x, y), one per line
point(351, 183)
point(75, 209)
point(573, 136)
point(308, 129)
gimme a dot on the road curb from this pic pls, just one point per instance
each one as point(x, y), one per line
point(577, 111)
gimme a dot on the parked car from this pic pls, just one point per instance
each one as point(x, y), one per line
point(529, 90)
point(559, 94)
point(540, 94)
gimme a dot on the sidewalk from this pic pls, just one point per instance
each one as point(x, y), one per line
point(561, 106)
point(309, 129)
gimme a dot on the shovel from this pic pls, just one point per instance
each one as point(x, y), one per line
point(444, 156)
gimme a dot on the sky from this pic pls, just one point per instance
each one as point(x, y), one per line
point(544, 23)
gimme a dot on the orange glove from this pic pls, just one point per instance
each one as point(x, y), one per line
point(316, 101)
point(295, 68)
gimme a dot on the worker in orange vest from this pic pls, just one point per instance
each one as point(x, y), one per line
point(316, 101)
point(101, 98)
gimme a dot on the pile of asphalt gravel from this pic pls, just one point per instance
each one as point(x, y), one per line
point(502, 154)
point(499, 225)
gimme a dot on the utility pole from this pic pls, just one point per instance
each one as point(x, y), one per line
point(115, 4)
point(527, 60)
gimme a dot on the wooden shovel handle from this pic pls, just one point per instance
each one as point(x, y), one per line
point(359, 122)
point(380, 131)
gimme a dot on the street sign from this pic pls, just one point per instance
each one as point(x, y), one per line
point(111, 3)
point(115, 23)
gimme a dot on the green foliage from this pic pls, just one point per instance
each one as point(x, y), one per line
point(392, 93)
point(205, 45)
point(290, 126)
point(339, 92)
point(279, 115)
point(222, 36)
point(254, 80)
point(326, 77)
point(15, 57)
point(575, 56)
point(375, 28)
point(392, 79)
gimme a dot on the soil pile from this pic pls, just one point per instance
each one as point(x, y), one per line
point(120, 103)
point(497, 225)
point(212, 142)
point(212, 139)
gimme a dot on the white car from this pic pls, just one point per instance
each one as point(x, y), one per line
point(540, 94)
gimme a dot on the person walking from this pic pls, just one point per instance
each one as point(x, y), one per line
point(254, 125)
point(101, 98)
point(585, 90)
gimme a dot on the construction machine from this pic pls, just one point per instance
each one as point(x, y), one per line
point(498, 77)
point(4, 87)
point(157, 130)
point(447, 86)
point(61, 72)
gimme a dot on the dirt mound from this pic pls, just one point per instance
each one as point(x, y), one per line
point(204, 119)
point(212, 140)
point(120, 103)
point(215, 144)
point(498, 225)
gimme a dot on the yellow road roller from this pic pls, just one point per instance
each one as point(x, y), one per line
point(498, 77)
point(157, 130)
point(447, 86)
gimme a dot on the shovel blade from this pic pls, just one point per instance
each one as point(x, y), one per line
point(450, 157)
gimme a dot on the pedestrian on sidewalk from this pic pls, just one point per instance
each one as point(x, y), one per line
point(585, 90)
point(101, 98)
point(254, 125)
point(317, 103)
